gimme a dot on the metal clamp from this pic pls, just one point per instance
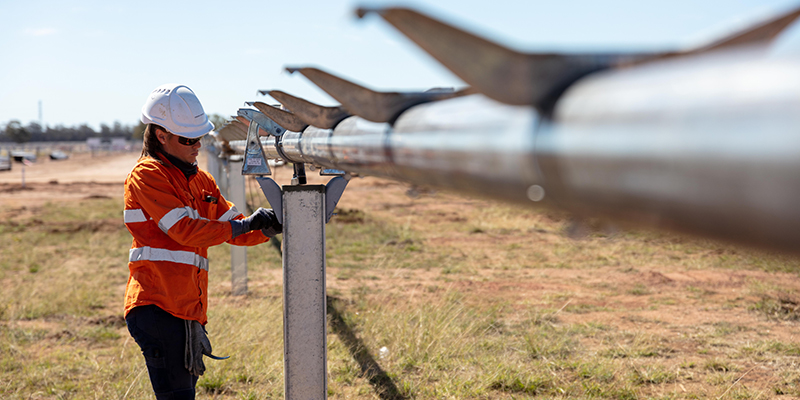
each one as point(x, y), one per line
point(255, 162)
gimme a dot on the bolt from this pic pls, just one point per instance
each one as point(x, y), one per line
point(536, 193)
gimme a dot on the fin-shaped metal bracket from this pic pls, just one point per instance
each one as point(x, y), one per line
point(536, 79)
point(245, 122)
point(242, 127)
point(333, 192)
point(757, 34)
point(264, 122)
point(369, 104)
point(496, 71)
point(310, 113)
point(255, 162)
point(283, 118)
point(230, 132)
point(274, 195)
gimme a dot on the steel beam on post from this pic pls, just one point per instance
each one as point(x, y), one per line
point(304, 307)
point(238, 253)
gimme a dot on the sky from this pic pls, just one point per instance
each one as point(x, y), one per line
point(95, 62)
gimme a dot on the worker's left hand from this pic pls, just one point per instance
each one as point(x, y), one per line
point(273, 227)
point(261, 218)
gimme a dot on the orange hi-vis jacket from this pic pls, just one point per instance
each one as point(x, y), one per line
point(173, 221)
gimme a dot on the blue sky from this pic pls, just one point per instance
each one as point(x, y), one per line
point(96, 61)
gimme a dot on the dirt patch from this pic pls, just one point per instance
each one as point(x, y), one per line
point(80, 167)
point(349, 216)
point(106, 225)
point(12, 188)
point(110, 321)
point(82, 176)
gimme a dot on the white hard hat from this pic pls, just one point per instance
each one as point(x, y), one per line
point(176, 108)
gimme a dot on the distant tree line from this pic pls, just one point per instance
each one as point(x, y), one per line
point(14, 131)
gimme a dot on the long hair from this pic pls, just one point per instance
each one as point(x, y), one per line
point(150, 145)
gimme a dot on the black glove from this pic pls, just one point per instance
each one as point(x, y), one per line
point(197, 345)
point(261, 218)
point(274, 226)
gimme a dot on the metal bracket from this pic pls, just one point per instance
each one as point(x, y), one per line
point(274, 195)
point(267, 124)
point(285, 119)
point(255, 163)
point(333, 192)
point(369, 104)
point(310, 113)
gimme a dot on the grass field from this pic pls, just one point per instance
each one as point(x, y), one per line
point(435, 297)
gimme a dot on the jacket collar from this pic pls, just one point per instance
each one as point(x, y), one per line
point(187, 169)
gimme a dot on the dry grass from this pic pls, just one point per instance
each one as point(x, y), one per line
point(468, 300)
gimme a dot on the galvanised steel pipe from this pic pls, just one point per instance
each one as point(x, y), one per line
point(470, 143)
point(708, 145)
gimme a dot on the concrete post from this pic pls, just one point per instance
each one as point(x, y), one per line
point(214, 167)
point(222, 182)
point(236, 189)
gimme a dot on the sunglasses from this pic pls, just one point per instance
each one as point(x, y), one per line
point(188, 142)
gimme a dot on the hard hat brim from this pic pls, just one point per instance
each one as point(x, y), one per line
point(190, 134)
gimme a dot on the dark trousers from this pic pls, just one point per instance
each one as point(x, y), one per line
point(162, 338)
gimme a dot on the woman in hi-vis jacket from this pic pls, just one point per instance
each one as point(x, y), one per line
point(175, 211)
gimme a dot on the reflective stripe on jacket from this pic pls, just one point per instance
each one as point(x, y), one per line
point(173, 221)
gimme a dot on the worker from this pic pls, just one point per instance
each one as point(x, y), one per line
point(175, 211)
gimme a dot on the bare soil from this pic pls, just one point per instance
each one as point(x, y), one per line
point(78, 177)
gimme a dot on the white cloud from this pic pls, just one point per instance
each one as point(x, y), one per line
point(40, 31)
